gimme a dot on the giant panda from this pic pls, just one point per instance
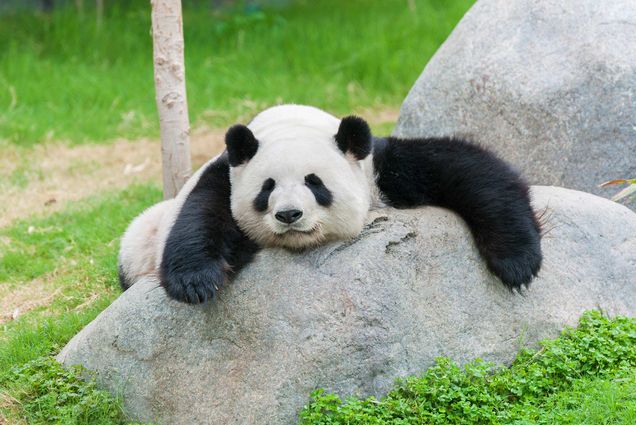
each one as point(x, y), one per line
point(296, 177)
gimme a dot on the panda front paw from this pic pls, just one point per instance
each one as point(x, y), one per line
point(195, 286)
point(516, 271)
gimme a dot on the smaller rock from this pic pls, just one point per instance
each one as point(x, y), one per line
point(547, 84)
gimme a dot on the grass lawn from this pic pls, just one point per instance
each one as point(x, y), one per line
point(67, 84)
point(57, 273)
point(64, 78)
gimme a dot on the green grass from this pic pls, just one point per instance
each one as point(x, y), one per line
point(587, 375)
point(64, 78)
point(599, 401)
point(86, 232)
point(74, 252)
point(49, 394)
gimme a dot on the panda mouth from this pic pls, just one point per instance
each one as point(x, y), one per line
point(295, 239)
point(292, 231)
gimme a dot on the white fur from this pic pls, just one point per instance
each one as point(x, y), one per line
point(295, 141)
point(138, 245)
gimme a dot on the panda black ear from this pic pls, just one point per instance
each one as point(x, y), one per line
point(241, 144)
point(354, 136)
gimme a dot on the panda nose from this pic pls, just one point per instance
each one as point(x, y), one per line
point(288, 216)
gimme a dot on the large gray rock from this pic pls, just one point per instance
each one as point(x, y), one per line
point(352, 316)
point(548, 84)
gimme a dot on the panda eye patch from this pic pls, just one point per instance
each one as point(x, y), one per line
point(321, 193)
point(262, 199)
point(269, 184)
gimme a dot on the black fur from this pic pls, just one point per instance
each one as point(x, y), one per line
point(241, 144)
point(323, 196)
point(354, 136)
point(124, 282)
point(262, 199)
point(481, 188)
point(205, 246)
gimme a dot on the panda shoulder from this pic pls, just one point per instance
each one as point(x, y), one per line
point(217, 165)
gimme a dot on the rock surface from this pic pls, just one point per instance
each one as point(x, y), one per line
point(352, 316)
point(548, 84)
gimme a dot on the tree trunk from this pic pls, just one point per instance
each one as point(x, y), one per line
point(79, 5)
point(172, 105)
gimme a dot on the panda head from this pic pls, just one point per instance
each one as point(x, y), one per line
point(298, 176)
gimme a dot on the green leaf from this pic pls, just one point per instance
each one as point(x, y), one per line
point(629, 190)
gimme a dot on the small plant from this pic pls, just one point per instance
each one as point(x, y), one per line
point(626, 192)
point(50, 394)
point(479, 393)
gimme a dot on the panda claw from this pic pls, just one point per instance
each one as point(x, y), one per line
point(516, 272)
point(191, 295)
point(194, 287)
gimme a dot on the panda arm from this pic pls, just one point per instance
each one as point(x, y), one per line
point(205, 246)
point(463, 177)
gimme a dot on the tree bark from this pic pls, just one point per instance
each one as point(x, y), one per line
point(79, 5)
point(172, 105)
